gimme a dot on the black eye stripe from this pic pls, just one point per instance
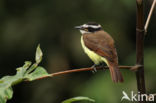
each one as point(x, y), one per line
point(90, 29)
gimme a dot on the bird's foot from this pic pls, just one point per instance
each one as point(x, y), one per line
point(94, 68)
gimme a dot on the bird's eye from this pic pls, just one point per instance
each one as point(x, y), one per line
point(91, 29)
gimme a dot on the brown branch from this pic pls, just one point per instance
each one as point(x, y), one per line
point(149, 16)
point(85, 69)
point(140, 48)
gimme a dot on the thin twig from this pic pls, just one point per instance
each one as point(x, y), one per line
point(149, 16)
point(82, 69)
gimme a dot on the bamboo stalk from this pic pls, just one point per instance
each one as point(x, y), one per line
point(140, 48)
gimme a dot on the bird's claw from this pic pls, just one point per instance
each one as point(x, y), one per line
point(94, 68)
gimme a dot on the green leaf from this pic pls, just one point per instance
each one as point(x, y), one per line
point(22, 70)
point(39, 54)
point(78, 99)
point(7, 81)
point(37, 73)
point(5, 94)
point(26, 72)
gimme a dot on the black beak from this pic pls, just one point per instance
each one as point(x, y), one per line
point(78, 27)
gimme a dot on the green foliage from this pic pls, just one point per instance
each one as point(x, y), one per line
point(75, 99)
point(27, 72)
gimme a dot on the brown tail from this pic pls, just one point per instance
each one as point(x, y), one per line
point(115, 74)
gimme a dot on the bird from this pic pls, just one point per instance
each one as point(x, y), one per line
point(100, 48)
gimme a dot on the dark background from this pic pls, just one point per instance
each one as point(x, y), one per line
point(26, 23)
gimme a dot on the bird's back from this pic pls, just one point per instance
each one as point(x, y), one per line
point(102, 44)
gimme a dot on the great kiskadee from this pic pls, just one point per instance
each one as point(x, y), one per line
point(99, 46)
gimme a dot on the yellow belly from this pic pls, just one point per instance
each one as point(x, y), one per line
point(97, 59)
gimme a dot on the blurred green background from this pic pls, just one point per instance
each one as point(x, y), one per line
point(26, 23)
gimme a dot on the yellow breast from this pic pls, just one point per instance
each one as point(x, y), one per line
point(92, 55)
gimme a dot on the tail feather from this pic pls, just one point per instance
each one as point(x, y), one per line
point(115, 74)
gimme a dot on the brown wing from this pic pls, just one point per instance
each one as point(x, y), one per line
point(102, 44)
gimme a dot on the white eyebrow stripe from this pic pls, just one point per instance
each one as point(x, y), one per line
point(86, 26)
point(93, 26)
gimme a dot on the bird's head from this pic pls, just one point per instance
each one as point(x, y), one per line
point(89, 27)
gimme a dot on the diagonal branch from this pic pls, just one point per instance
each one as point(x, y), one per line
point(149, 16)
